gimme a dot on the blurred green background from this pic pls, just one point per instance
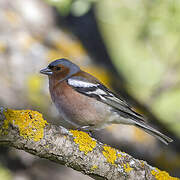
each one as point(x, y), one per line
point(133, 47)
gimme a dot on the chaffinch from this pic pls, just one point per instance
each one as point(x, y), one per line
point(87, 104)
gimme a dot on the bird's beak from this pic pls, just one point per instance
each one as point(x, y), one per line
point(46, 71)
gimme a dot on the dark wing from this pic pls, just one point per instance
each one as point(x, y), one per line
point(103, 94)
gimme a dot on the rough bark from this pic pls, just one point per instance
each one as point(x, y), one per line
point(28, 131)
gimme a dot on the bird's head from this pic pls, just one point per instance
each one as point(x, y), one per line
point(61, 68)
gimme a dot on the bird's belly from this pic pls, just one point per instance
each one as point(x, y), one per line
point(81, 110)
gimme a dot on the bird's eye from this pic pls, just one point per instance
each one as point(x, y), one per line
point(58, 68)
point(50, 67)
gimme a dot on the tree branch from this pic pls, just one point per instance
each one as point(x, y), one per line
point(28, 131)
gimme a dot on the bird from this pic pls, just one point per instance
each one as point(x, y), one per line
point(87, 104)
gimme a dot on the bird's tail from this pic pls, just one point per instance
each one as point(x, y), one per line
point(165, 139)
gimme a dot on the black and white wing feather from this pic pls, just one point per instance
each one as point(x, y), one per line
point(103, 94)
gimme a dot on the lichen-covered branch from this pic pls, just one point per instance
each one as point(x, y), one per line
point(28, 131)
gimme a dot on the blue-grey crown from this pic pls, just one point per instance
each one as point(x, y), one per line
point(73, 67)
point(62, 61)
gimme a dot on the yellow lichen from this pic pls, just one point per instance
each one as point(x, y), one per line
point(127, 168)
point(142, 163)
point(110, 154)
point(162, 175)
point(94, 167)
point(85, 142)
point(119, 155)
point(30, 123)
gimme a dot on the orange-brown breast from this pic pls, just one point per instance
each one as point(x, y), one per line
point(77, 108)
